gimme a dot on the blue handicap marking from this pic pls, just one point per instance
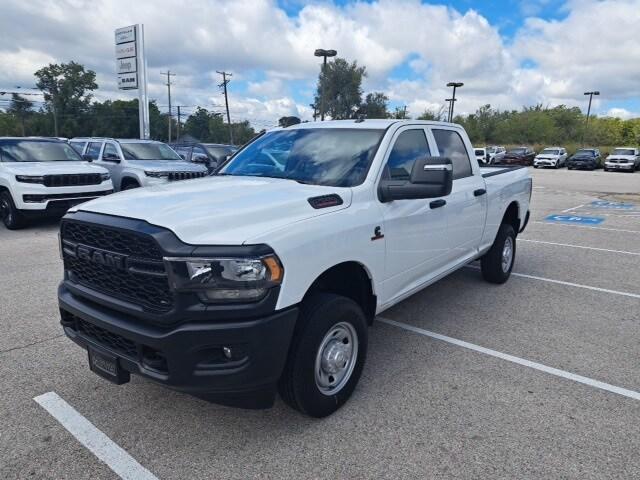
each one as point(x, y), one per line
point(575, 219)
point(612, 205)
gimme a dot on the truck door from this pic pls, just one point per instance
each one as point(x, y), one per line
point(415, 233)
point(467, 203)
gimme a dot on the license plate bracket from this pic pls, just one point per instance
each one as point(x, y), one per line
point(107, 366)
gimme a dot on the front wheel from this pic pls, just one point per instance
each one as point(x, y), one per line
point(326, 356)
point(497, 263)
point(11, 217)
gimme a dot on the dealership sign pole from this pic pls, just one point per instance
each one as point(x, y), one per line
point(131, 67)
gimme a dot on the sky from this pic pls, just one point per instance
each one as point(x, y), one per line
point(508, 53)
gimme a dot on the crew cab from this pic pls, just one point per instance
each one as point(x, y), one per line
point(481, 155)
point(585, 159)
point(554, 157)
point(137, 163)
point(623, 158)
point(43, 177)
point(266, 276)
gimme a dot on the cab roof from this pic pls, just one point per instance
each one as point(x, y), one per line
point(374, 123)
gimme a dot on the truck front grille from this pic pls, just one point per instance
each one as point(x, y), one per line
point(173, 176)
point(72, 180)
point(125, 265)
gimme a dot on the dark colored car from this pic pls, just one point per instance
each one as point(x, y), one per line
point(210, 154)
point(519, 156)
point(585, 158)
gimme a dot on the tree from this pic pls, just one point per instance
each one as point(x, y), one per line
point(400, 113)
point(339, 88)
point(65, 87)
point(287, 121)
point(20, 107)
point(375, 105)
point(435, 115)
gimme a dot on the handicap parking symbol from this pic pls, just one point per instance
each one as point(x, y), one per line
point(612, 205)
point(577, 219)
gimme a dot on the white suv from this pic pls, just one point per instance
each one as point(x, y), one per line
point(137, 163)
point(44, 176)
point(623, 158)
point(554, 157)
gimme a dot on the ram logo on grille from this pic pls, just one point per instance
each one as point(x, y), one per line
point(101, 257)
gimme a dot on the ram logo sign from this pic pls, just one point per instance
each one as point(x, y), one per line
point(101, 257)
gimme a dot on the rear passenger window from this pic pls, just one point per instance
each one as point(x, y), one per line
point(410, 146)
point(450, 145)
point(93, 150)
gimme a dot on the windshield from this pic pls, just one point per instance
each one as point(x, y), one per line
point(337, 157)
point(37, 151)
point(550, 151)
point(148, 151)
point(623, 151)
point(589, 153)
point(517, 150)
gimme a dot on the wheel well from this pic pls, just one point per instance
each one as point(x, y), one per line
point(351, 280)
point(511, 216)
point(129, 181)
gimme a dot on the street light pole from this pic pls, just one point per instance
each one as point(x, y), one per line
point(453, 98)
point(450, 102)
point(591, 94)
point(320, 52)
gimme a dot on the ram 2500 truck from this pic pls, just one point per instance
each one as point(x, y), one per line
point(266, 276)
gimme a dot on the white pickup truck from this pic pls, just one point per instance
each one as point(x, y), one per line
point(267, 275)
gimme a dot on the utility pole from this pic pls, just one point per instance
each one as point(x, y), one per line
point(223, 85)
point(453, 98)
point(169, 75)
point(55, 117)
point(321, 52)
point(591, 94)
point(178, 134)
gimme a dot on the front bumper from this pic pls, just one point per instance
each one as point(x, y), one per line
point(189, 357)
point(589, 165)
point(38, 198)
point(619, 166)
point(545, 163)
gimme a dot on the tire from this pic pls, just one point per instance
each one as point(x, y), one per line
point(306, 385)
point(494, 270)
point(11, 216)
point(535, 166)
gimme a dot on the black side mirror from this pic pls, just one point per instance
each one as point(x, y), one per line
point(111, 158)
point(431, 177)
point(87, 158)
point(199, 158)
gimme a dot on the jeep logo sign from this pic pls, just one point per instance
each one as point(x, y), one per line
point(101, 257)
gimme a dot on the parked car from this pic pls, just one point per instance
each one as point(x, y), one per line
point(41, 177)
point(269, 273)
point(496, 154)
point(212, 155)
point(137, 163)
point(481, 155)
point(554, 157)
point(585, 158)
point(518, 156)
point(623, 158)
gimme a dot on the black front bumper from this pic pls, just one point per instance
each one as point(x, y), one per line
point(189, 357)
point(582, 164)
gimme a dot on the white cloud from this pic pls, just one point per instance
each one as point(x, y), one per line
point(622, 113)
point(595, 47)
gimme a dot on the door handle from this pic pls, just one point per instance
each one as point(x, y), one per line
point(479, 192)
point(438, 203)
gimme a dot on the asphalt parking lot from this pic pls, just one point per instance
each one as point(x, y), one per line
point(537, 378)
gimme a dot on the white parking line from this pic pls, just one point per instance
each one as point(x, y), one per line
point(520, 361)
point(572, 208)
point(569, 284)
point(117, 459)
point(585, 226)
point(578, 246)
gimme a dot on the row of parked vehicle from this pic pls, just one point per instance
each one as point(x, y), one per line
point(622, 158)
point(47, 176)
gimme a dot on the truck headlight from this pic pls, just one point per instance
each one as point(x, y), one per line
point(222, 280)
point(30, 178)
point(105, 176)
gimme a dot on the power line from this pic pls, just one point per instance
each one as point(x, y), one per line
point(223, 85)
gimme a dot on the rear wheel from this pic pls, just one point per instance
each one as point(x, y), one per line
point(326, 356)
point(11, 216)
point(497, 263)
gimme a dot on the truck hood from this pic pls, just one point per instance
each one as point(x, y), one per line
point(219, 210)
point(51, 168)
point(167, 166)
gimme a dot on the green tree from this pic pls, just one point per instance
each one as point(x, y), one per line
point(66, 88)
point(20, 108)
point(435, 115)
point(375, 105)
point(197, 124)
point(400, 113)
point(339, 88)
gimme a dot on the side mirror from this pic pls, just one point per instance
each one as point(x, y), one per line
point(200, 158)
point(431, 177)
point(87, 158)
